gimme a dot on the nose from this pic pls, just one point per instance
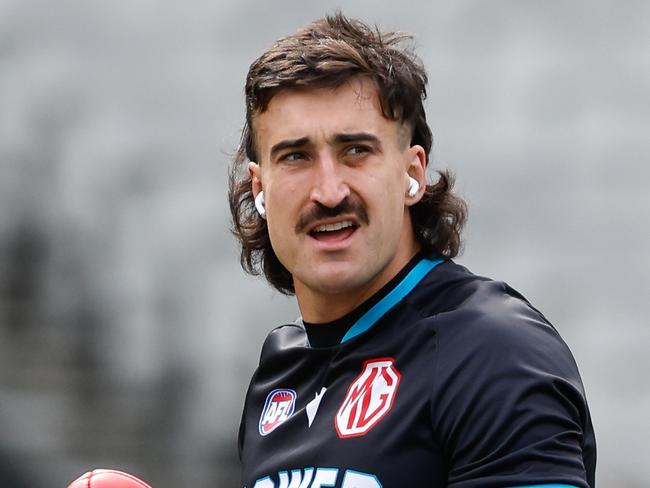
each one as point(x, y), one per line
point(329, 187)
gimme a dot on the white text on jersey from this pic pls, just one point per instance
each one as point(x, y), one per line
point(319, 477)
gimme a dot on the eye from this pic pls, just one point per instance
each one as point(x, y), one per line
point(293, 156)
point(358, 149)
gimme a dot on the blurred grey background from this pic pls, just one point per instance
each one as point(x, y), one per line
point(128, 332)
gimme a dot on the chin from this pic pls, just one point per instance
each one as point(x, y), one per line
point(336, 282)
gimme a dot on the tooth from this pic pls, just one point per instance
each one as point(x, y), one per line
point(335, 226)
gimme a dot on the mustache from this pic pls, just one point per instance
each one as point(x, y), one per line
point(348, 206)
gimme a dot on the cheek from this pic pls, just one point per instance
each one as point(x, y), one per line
point(388, 190)
point(282, 207)
point(279, 184)
point(391, 202)
point(274, 192)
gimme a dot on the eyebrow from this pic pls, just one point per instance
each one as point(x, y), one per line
point(289, 143)
point(359, 136)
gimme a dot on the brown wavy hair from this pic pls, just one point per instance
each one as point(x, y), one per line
point(326, 54)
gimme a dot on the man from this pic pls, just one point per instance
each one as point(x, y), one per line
point(405, 368)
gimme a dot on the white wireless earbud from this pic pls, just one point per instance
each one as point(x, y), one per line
point(414, 187)
point(259, 204)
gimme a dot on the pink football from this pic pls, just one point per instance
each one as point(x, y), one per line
point(108, 478)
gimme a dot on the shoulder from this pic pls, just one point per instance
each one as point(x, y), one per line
point(283, 340)
point(499, 327)
point(480, 317)
point(491, 340)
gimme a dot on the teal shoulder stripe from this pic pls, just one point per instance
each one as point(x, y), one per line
point(367, 320)
point(552, 485)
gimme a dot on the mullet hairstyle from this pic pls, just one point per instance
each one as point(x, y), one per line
point(326, 54)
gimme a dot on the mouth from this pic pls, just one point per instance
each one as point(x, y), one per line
point(333, 232)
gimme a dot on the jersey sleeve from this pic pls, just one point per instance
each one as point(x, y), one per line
point(509, 406)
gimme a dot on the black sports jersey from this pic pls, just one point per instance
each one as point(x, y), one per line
point(447, 380)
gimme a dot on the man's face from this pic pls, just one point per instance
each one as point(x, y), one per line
point(334, 172)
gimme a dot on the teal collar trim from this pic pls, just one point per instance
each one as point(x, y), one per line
point(383, 306)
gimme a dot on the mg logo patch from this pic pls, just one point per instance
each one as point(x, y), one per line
point(369, 398)
point(278, 407)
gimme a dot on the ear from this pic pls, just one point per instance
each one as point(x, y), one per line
point(256, 177)
point(416, 168)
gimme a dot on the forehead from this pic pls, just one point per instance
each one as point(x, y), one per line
point(320, 113)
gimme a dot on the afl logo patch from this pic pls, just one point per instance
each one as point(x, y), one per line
point(369, 398)
point(278, 408)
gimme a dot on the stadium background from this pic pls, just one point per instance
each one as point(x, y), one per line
point(128, 331)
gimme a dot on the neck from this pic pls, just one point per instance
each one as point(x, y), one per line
point(317, 306)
